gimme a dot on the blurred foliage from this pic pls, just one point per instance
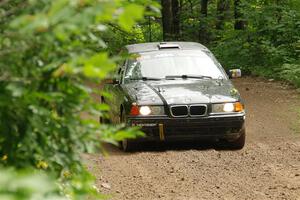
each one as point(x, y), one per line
point(25, 185)
point(32, 184)
point(50, 51)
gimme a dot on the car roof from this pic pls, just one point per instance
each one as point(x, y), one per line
point(158, 46)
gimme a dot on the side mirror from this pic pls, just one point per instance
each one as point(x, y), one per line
point(234, 73)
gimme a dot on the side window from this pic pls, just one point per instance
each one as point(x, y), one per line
point(121, 65)
point(121, 71)
point(133, 69)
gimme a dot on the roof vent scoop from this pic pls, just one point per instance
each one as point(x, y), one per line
point(164, 45)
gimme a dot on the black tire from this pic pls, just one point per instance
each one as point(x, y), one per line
point(103, 120)
point(238, 143)
point(126, 145)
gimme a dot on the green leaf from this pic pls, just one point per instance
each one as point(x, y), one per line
point(16, 89)
point(130, 14)
point(98, 66)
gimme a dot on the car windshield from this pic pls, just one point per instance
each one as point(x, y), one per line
point(159, 65)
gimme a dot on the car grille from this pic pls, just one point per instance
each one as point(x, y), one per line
point(184, 110)
point(198, 110)
point(179, 111)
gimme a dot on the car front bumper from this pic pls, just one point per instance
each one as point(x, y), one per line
point(165, 128)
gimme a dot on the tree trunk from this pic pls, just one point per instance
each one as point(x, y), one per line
point(203, 29)
point(176, 19)
point(167, 19)
point(239, 23)
point(222, 13)
point(204, 5)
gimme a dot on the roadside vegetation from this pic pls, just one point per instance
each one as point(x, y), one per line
point(50, 49)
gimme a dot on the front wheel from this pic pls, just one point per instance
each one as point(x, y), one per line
point(104, 118)
point(126, 145)
point(240, 142)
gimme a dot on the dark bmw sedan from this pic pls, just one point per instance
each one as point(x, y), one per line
point(176, 91)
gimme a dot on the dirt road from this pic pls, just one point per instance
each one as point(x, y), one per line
point(267, 168)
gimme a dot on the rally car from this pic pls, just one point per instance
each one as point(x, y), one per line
point(176, 91)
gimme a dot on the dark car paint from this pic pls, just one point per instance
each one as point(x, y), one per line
point(173, 92)
point(170, 92)
point(189, 91)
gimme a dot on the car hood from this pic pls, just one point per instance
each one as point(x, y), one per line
point(181, 92)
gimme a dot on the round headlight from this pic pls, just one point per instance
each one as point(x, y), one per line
point(228, 107)
point(157, 110)
point(145, 110)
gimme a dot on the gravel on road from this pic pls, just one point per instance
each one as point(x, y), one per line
point(267, 168)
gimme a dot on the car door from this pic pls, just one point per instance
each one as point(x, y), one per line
point(117, 94)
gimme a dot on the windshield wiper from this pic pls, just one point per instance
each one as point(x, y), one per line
point(188, 76)
point(144, 78)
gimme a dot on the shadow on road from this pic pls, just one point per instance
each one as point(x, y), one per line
point(166, 146)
